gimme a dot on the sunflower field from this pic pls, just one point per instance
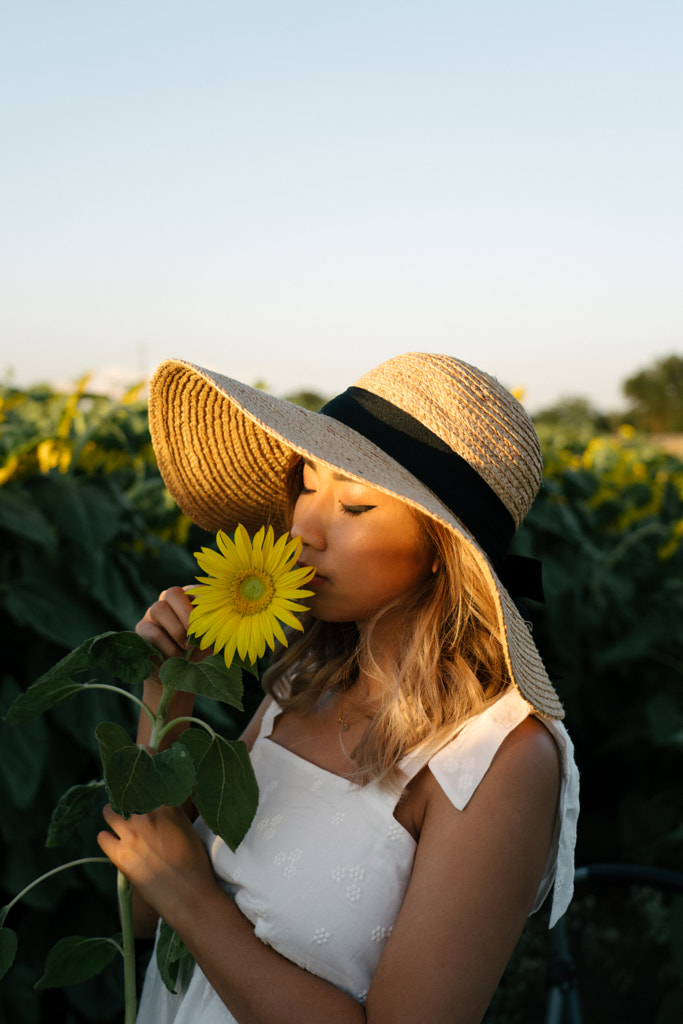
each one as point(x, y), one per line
point(88, 538)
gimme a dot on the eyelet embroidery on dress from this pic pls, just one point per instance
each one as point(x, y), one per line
point(289, 859)
point(321, 936)
point(268, 826)
point(379, 933)
point(316, 784)
point(355, 876)
point(394, 832)
point(337, 818)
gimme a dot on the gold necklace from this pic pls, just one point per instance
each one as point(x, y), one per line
point(342, 718)
point(344, 725)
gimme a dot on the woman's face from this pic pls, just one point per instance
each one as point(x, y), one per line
point(367, 547)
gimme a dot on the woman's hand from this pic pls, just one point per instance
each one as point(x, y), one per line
point(162, 856)
point(164, 624)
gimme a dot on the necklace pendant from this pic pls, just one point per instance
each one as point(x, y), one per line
point(344, 724)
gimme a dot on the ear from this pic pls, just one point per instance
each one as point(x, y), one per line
point(436, 564)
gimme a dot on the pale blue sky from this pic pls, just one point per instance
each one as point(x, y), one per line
point(294, 191)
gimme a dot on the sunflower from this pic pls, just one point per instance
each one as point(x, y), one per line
point(253, 586)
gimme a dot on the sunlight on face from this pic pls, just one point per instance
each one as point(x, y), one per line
point(368, 547)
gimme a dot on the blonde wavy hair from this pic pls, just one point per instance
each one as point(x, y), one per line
point(448, 665)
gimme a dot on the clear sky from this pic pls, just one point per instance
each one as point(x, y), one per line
point(293, 191)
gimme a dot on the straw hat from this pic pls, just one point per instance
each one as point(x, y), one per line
point(431, 430)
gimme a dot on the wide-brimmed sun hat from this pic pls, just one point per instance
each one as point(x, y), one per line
point(431, 430)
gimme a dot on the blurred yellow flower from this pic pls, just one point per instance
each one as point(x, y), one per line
point(252, 588)
point(53, 454)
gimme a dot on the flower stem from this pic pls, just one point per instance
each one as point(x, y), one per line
point(125, 693)
point(54, 871)
point(125, 894)
point(186, 718)
point(159, 726)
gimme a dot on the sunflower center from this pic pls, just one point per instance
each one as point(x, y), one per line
point(252, 591)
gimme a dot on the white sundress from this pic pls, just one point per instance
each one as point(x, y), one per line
point(323, 870)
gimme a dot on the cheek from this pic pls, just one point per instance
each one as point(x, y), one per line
point(406, 564)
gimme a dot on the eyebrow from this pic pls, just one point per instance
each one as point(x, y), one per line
point(335, 476)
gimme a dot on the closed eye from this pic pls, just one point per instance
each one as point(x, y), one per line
point(356, 510)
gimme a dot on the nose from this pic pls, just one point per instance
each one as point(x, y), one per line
point(308, 523)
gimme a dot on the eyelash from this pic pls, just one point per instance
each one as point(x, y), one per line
point(356, 510)
point(348, 510)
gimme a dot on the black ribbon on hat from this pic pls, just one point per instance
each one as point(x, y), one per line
point(450, 477)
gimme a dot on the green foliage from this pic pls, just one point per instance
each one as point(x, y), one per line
point(656, 395)
point(75, 959)
point(608, 526)
point(208, 678)
point(171, 956)
point(89, 536)
point(225, 790)
point(307, 399)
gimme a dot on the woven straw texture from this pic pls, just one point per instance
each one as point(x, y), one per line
point(223, 449)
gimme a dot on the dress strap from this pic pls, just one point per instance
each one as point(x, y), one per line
point(462, 763)
point(268, 720)
point(460, 766)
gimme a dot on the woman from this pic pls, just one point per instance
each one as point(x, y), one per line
point(418, 795)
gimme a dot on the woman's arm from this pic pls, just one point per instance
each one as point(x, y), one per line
point(164, 625)
point(474, 881)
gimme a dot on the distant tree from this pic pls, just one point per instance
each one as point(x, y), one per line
point(574, 414)
point(308, 399)
point(656, 395)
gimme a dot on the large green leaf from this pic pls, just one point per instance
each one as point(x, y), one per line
point(81, 508)
point(20, 516)
point(53, 688)
point(210, 678)
point(8, 950)
point(73, 807)
point(75, 959)
point(23, 755)
point(226, 791)
point(171, 955)
point(124, 654)
point(47, 600)
point(137, 782)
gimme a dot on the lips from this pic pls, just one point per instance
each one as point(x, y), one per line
point(316, 580)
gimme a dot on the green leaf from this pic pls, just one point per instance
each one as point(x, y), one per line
point(53, 688)
point(172, 955)
point(124, 655)
point(75, 959)
point(82, 509)
point(137, 782)
point(23, 757)
point(49, 600)
point(20, 516)
point(8, 950)
point(75, 805)
point(210, 678)
point(226, 792)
